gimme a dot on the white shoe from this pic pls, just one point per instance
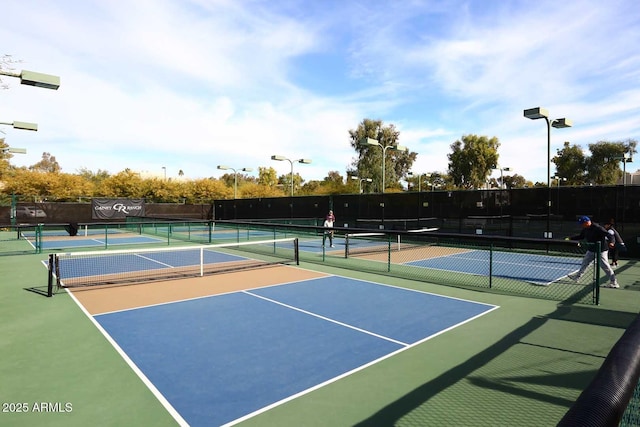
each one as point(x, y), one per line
point(332, 246)
point(574, 276)
point(613, 285)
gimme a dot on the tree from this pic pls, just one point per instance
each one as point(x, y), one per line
point(285, 181)
point(207, 189)
point(603, 167)
point(47, 164)
point(4, 158)
point(252, 190)
point(6, 64)
point(333, 183)
point(514, 181)
point(472, 160)
point(229, 179)
point(571, 163)
point(267, 176)
point(122, 184)
point(95, 177)
point(68, 187)
point(369, 161)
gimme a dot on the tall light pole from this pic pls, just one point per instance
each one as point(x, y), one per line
point(558, 179)
point(31, 78)
point(282, 158)
point(374, 142)
point(542, 113)
point(235, 177)
point(625, 158)
point(428, 175)
point(507, 169)
point(164, 169)
point(361, 181)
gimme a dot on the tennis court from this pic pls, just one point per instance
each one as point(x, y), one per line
point(217, 350)
point(537, 269)
point(79, 242)
point(57, 239)
point(522, 364)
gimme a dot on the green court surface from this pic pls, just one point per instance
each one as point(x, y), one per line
point(523, 364)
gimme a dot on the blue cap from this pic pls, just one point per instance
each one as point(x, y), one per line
point(584, 219)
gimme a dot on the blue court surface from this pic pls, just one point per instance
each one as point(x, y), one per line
point(537, 269)
point(93, 242)
point(220, 359)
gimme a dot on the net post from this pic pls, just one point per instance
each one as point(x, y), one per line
point(490, 265)
point(388, 253)
point(201, 262)
point(597, 274)
point(39, 238)
point(56, 267)
point(346, 245)
point(50, 277)
point(296, 251)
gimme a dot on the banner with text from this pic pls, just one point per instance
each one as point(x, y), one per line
point(116, 208)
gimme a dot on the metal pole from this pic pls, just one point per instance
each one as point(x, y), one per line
point(384, 151)
point(290, 161)
point(548, 178)
point(235, 184)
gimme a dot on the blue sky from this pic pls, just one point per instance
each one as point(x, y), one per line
point(189, 85)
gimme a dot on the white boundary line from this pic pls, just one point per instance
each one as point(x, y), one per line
point(133, 366)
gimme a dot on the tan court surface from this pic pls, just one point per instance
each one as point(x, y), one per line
point(521, 365)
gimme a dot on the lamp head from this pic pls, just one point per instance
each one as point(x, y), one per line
point(278, 158)
point(14, 150)
point(304, 161)
point(246, 170)
point(562, 123)
point(369, 141)
point(25, 126)
point(223, 167)
point(47, 81)
point(536, 113)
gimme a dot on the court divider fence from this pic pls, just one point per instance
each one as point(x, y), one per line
point(21, 239)
point(501, 264)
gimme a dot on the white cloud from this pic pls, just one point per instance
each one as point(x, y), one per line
point(189, 85)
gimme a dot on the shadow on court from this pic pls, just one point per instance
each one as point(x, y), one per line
point(534, 386)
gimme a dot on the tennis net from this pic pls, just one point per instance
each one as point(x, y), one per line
point(76, 269)
point(368, 243)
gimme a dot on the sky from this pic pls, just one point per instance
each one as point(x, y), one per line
point(162, 86)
